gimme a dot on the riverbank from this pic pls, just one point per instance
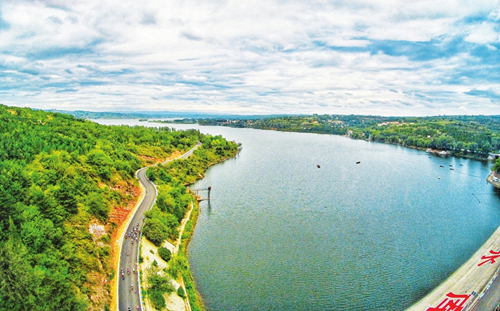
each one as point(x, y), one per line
point(149, 253)
point(194, 298)
point(437, 135)
point(463, 154)
point(171, 181)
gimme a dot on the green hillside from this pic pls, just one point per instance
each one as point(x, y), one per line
point(61, 176)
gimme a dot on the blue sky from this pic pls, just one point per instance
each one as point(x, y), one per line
point(383, 57)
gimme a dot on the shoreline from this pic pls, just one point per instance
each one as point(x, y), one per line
point(450, 153)
point(185, 238)
point(188, 224)
point(491, 180)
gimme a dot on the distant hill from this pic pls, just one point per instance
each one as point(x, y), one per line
point(129, 115)
point(152, 114)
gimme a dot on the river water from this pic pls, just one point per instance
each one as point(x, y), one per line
point(282, 234)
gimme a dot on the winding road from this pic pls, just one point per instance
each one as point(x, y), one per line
point(128, 293)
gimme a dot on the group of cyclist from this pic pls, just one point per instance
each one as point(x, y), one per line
point(133, 234)
point(128, 272)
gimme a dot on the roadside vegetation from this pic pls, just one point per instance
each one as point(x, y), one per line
point(65, 186)
point(163, 220)
point(194, 299)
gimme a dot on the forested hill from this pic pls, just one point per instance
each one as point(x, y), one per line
point(65, 185)
point(469, 136)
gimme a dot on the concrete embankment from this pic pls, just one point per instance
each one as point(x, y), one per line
point(465, 288)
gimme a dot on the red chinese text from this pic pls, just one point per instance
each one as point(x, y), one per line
point(452, 302)
point(490, 259)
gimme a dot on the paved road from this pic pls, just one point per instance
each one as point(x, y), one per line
point(128, 285)
point(490, 299)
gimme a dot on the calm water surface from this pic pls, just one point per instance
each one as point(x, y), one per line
point(282, 234)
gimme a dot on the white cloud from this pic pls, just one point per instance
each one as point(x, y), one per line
point(241, 56)
point(483, 34)
point(194, 78)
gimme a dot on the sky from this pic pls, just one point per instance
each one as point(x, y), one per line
point(383, 57)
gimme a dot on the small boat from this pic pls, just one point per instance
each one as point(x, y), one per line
point(441, 166)
point(450, 165)
point(452, 169)
point(358, 162)
point(318, 166)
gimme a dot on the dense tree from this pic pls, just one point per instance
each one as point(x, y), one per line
point(155, 231)
point(164, 253)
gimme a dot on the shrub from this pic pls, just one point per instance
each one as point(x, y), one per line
point(98, 206)
point(181, 293)
point(155, 231)
point(157, 299)
point(164, 253)
point(496, 167)
point(105, 239)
